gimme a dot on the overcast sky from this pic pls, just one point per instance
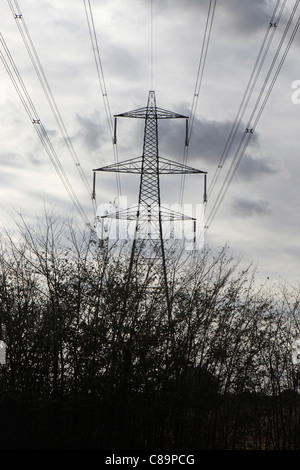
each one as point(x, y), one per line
point(258, 216)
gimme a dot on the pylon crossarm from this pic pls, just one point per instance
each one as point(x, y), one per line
point(165, 114)
point(155, 112)
point(140, 113)
point(170, 167)
point(132, 165)
point(165, 166)
point(152, 213)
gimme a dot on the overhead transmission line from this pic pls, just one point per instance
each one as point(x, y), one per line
point(199, 77)
point(100, 74)
point(34, 117)
point(253, 121)
point(265, 46)
point(151, 43)
point(29, 44)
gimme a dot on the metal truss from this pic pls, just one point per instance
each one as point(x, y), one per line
point(164, 167)
point(149, 212)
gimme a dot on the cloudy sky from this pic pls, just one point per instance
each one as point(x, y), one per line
point(258, 214)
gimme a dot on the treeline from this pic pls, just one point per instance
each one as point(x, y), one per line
point(86, 370)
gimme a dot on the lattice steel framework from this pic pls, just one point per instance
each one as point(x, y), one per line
point(149, 213)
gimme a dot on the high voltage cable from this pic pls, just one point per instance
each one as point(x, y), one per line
point(202, 60)
point(247, 136)
point(242, 145)
point(151, 43)
point(199, 77)
point(248, 91)
point(99, 68)
point(28, 42)
point(31, 111)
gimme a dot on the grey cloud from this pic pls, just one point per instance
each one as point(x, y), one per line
point(90, 131)
point(239, 16)
point(208, 138)
point(208, 145)
point(122, 62)
point(10, 159)
point(246, 208)
point(20, 160)
point(244, 16)
point(253, 168)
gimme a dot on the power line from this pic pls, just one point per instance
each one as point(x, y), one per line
point(34, 117)
point(248, 92)
point(151, 44)
point(202, 61)
point(100, 74)
point(29, 44)
point(250, 127)
point(199, 77)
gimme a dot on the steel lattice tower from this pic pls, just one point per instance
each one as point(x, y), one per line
point(149, 214)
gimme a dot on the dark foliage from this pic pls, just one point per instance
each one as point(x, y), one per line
point(83, 371)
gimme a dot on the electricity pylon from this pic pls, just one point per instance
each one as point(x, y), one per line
point(149, 214)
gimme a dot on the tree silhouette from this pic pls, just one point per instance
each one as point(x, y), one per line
point(83, 372)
